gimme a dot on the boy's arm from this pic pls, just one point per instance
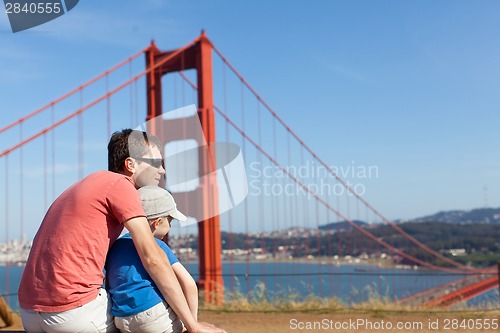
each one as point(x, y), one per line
point(188, 285)
point(156, 263)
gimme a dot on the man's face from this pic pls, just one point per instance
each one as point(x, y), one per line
point(148, 168)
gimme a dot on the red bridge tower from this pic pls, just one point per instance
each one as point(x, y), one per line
point(196, 56)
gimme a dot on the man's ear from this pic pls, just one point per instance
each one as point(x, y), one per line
point(129, 165)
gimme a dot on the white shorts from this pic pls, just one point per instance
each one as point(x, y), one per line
point(157, 319)
point(92, 317)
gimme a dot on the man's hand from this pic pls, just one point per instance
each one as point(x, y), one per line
point(204, 327)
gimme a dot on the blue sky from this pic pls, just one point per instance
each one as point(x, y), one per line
point(409, 87)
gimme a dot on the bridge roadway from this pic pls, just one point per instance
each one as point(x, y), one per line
point(452, 293)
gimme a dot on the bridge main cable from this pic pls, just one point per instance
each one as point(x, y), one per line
point(68, 94)
point(98, 100)
point(326, 204)
point(340, 180)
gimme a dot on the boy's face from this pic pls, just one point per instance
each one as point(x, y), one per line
point(163, 228)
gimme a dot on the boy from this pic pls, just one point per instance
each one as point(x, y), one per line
point(137, 304)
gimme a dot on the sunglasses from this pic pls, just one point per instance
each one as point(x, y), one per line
point(154, 162)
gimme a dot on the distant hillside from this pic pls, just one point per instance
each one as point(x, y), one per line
point(479, 244)
point(475, 216)
point(342, 225)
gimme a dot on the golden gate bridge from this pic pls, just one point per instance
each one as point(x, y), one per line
point(48, 149)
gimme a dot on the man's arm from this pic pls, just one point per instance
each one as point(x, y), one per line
point(156, 263)
point(188, 286)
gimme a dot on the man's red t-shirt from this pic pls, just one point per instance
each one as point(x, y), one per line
point(65, 266)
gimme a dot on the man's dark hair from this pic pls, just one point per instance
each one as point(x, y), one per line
point(128, 143)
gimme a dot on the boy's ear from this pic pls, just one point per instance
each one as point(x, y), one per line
point(156, 222)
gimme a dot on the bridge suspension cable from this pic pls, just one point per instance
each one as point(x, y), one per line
point(337, 177)
point(463, 269)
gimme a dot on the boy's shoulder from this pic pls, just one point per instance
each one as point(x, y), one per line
point(126, 238)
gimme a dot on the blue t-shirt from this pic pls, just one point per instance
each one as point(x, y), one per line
point(131, 288)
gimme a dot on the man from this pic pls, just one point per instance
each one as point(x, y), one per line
point(60, 289)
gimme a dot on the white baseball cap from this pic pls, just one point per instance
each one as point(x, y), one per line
point(158, 202)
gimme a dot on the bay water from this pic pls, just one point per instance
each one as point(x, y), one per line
point(295, 281)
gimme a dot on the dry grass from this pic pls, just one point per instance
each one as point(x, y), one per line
point(273, 313)
point(260, 300)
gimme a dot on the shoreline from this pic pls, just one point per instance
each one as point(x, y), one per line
point(376, 264)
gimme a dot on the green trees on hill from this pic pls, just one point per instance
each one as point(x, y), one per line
point(474, 244)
